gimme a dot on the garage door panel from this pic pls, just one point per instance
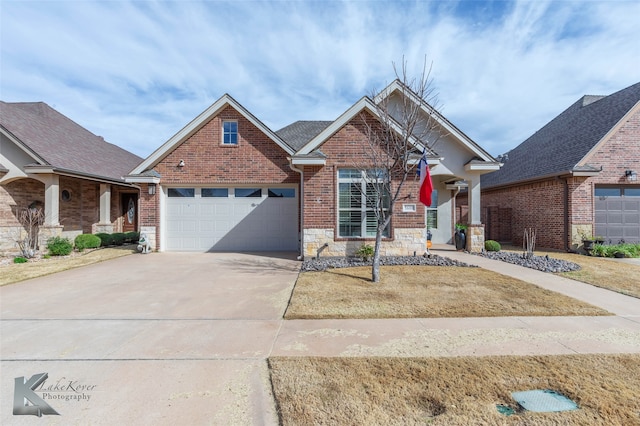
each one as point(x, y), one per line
point(617, 214)
point(232, 224)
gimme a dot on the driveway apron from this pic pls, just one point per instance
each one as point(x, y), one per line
point(164, 338)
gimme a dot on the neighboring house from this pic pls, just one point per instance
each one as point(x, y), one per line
point(50, 162)
point(226, 182)
point(575, 177)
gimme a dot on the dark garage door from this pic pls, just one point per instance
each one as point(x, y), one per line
point(618, 213)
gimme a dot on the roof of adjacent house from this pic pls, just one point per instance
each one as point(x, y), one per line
point(57, 141)
point(299, 133)
point(562, 144)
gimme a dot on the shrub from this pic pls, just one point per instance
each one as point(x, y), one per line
point(118, 238)
point(84, 241)
point(131, 237)
point(491, 245)
point(599, 250)
point(59, 246)
point(105, 239)
point(365, 252)
point(20, 259)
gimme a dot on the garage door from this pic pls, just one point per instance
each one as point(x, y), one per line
point(617, 214)
point(232, 219)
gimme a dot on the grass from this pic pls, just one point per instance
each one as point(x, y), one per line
point(602, 272)
point(13, 273)
point(453, 391)
point(425, 292)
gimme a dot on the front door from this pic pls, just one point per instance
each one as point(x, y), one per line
point(129, 206)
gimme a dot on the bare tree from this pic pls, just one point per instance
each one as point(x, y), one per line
point(403, 130)
point(30, 218)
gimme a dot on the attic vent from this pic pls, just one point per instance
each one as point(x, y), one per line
point(503, 158)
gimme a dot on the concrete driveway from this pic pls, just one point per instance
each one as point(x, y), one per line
point(148, 339)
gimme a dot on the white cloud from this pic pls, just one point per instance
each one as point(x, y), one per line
point(137, 72)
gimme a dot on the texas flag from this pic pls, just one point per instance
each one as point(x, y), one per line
point(426, 186)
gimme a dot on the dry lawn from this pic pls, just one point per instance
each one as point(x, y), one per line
point(13, 273)
point(425, 292)
point(602, 272)
point(454, 391)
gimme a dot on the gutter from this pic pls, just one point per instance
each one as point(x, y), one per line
point(295, 169)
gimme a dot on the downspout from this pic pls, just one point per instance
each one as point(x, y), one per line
point(567, 237)
point(295, 169)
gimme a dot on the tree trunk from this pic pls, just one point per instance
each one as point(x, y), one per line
point(375, 265)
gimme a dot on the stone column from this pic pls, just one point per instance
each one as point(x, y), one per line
point(475, 238)
point(105, 224)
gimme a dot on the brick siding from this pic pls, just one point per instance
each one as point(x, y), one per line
point(541, 205)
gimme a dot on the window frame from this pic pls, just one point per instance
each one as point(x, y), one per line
point(233, 134)
point(361, 178)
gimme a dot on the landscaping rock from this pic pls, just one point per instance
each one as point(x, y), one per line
point(325, 263)
point(540, 263)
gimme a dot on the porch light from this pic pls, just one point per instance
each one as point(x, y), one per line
point(631, 175)
point(152, 188)
point(181, 163)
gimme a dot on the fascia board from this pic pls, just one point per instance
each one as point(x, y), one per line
point(142, 179)
point(363, 104)
point(24, 147)
point(633, 110)
point(440, 119)
point(197, 123)
point(474, 167)
point(308, 161)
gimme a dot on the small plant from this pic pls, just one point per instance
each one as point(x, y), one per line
point(20, 259)
point(106, 239)
point(59, 246)
point(461, 227)
point(365, 252)
point(529, 242)
point(84, 241)
point(118, 238)
point(599, 250)
point(491, 245)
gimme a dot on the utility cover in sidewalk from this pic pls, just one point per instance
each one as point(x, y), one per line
point(544, 401)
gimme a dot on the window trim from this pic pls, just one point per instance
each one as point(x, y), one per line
point(362, 180)
point(224, 133)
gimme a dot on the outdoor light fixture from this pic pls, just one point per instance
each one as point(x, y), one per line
point(152, 188)
point(631, 175)
point(181, 163)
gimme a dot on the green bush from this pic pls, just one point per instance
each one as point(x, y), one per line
point(84, 241)
point(131, 237)
point(599, 250)
point(20, 259)
point(118, 238)
point(59, 246)
point(491, 245)
point(365, 252)
point(105, 239)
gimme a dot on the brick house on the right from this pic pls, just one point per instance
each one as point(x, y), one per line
point(575, 177)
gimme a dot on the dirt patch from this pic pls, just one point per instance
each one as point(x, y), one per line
point(11, 273)
point(425, 292)
point(453, 391)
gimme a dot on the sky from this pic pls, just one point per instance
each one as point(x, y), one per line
point(136, 72)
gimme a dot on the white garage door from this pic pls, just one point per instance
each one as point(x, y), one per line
point(618, 214)
point(232, 219)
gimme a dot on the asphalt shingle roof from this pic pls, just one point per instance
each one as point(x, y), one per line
point(64, 144)
point(563, 142)
point(297, 134)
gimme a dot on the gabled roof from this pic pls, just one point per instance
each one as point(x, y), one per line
point(54, 140)
point(200, 121)
point(562, 145)
point(299, 133)
point(449, 127)
point(364, 104)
